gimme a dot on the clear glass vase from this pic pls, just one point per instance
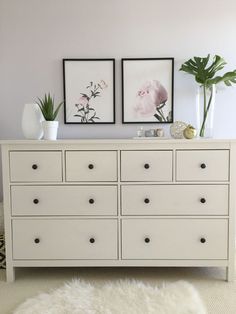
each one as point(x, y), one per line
point(205, 110)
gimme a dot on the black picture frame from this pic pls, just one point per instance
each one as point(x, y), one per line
point(75, 69)
point(137, 65)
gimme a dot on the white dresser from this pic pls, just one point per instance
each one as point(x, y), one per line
point(119, 203)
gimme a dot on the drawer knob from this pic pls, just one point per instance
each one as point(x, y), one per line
point(90, 166)
point(34, 166)
point(202, 240)
point(37, 240)
point(36, 201)
point(203, 166)
point(91, 240)
point(146, 166)
point(147, 240)
point(91, 201)
point(146, 200)
point(203, 200)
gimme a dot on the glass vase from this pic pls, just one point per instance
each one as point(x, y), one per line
point(205, 110)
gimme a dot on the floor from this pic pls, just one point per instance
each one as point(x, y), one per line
point(219, 296)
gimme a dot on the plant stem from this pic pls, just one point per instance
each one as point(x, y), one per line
point(161, 113)
point(206, 110)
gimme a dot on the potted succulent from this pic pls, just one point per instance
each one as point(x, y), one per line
point(204, 73)
point(50, 126)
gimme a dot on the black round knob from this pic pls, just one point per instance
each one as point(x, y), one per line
point(203, 166)
point(91, 166)
point(146, 166)
point(147, 240)
point(202, 240)
point(91, 240)
point(91, 201)
point(146, 200)
point(34, 166)
point(203, 200)
point(36, 201)
point(36, 240)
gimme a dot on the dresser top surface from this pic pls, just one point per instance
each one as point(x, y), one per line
point(115, 141)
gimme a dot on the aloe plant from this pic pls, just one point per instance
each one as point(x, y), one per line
point(205, 75)
point(46, 106)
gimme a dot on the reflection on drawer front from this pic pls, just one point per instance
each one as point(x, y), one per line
point(91, 166)
point(64, 200)
point(174, 238)
point(174, 199)
point(35, 166)
point(146, 165)
point(202, 165)
point(65, 239)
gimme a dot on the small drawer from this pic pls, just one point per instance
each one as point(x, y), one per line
point(146, 165)
point(202, 165)
point(91, 166)
point(64, 239)
point(174, 199)
point(63, 200)
point(32, 166)
point(175, 239)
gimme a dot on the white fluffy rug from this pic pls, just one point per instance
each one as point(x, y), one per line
point(119, 297)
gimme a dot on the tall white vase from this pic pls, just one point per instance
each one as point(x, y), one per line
point(32, 122)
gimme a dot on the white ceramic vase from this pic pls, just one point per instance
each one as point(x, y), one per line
point(50, 129)
point(32, 122)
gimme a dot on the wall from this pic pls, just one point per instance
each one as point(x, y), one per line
point(36, 34)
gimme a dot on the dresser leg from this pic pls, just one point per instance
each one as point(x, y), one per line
point(10, 272)
point(230, 273)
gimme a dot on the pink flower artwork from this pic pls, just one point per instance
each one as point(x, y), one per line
point(85, 112)
point(150, 99)
point(83, 100)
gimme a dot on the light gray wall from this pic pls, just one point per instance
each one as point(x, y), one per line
point(36, 34)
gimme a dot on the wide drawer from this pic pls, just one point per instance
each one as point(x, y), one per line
point(174, 238)
point(35, 166)
point(91, 166)
point(174, 199)
point(64, 200)
point(202, 165)
point(64, 239)
point(146, 165)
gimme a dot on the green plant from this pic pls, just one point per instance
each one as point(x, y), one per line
point(46, 106)
point(205, 75)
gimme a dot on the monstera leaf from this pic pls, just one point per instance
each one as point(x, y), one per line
point(205, 73)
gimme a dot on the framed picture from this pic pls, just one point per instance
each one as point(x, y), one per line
point(89, 91)
point(147, 90)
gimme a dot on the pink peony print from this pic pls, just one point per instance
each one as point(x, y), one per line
point(151, 97)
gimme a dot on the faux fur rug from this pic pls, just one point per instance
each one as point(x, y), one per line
point(119, 297)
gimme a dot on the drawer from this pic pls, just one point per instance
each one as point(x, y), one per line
point(36, 166)
point(91, 166)
point(64, 239)
point(146, 165)
point(64, 200)
point(174, 239)
point(174, 199)
point(202, 165)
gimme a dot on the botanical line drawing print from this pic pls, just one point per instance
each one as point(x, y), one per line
point(151, 100)
point(85, 112)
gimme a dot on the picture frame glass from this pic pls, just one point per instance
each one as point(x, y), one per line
point(147, 90)
point(89, 86)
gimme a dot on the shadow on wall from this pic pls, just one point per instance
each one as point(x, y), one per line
point(1, 196)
